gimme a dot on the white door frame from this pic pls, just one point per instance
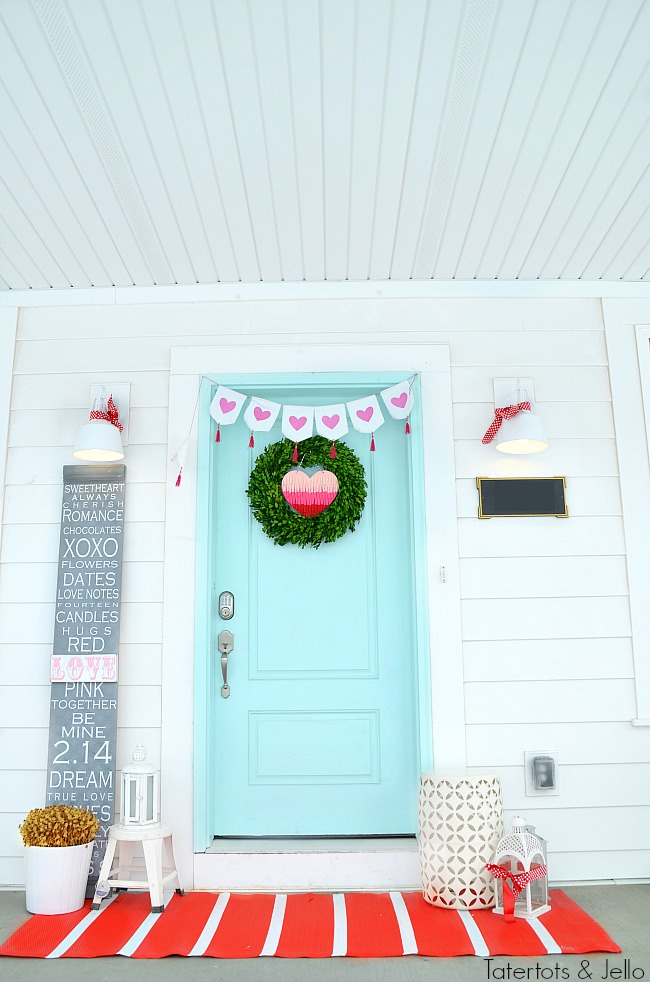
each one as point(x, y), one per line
point(188, 365)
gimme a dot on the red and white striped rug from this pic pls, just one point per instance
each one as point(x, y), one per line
point(312, 925)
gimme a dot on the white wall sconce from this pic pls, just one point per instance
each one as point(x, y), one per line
point(516, 428)
point(101, 439)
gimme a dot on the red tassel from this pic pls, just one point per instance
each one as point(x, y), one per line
point(178, 479)
point(333, 451)
point(372, 442)
point(294, 459)
point(251, 442)
point(217, 439)
point(407, 428)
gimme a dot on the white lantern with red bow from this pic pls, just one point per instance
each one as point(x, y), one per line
point(520, 873)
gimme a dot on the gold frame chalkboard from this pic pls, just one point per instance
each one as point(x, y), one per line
point(484, 510)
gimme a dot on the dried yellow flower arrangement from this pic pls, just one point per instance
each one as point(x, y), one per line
point(59, 825)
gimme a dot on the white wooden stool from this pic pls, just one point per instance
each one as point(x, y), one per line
point(126, 875)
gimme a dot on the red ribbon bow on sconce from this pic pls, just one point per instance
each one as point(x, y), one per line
point(111, 415)
point(506, 412)
point(519, 882)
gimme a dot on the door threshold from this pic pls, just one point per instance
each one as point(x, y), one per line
point(348, 844)
point(308, 865)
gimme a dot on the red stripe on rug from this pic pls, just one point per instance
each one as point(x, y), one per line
point(117, 922)
point(572, 927)
point(42, 933)
point(438, 932)
point(507, 938)
point(373, 930)
point(177, 931)
point(308, 928)
point(243, 928)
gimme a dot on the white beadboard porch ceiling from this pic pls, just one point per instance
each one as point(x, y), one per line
point(154, 142)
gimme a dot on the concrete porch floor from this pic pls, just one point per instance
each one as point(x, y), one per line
point(622, 910)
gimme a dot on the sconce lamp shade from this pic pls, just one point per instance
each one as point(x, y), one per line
point(523, 433)
point(98, 440)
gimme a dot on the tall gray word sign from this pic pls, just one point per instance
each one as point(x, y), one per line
point(83, 704)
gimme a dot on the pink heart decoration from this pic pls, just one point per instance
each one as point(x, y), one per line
point(297, 421)
point(400, 401)
point(332, 421)
point(261, 414)
point(226, 406)
point(365, 414)
point(309, 496)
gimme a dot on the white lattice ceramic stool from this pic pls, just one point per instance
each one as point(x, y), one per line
point(153, 876)
point(460, 823)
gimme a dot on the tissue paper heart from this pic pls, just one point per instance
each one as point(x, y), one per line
point(310, 495)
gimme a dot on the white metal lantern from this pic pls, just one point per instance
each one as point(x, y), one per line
point(520, 873)
point(140, 783)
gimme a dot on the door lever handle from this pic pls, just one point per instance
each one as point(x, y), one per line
point(226, 643)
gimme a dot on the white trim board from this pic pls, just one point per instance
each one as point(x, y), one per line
point(410, 289)
point(628, 348)
point(8, 328)
point(188, 364)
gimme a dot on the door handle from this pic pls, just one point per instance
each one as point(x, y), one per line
point(226, 643)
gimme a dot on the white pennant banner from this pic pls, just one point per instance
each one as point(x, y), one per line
point(399, 399)
point(366, 414)
point(297, 422)
point(226, 405)
point(261, 414)
point(331, 421)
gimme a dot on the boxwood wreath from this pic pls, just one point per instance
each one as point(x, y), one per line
point(278, 520)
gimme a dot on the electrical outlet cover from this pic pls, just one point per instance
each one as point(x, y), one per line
point(541, 768)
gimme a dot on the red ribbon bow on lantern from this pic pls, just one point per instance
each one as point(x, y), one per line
point(506, 412)
point(111, 415)
point(519, 881)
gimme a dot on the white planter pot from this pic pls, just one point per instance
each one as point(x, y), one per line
point(56, 878)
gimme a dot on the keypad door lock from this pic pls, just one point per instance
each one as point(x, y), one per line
point(226, 605)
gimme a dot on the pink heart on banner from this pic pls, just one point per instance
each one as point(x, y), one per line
point(309, 496)
point(332, 421)
point(400, 401)
point(297, 421)
point(261, 414)
point(365, 414)
point(226, 406)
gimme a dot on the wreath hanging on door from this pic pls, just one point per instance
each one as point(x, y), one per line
point(317, 501)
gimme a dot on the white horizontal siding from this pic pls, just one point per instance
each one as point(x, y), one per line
point(600, 742)
point(581, 786)
point(522, 537)
point(544, 576)
point(545, 609)
point(544, 660)
point(545, 617)
point(556, 701)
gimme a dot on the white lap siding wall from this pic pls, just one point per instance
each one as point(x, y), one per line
point(545, 614)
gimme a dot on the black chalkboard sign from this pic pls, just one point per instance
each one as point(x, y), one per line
point(521, 496)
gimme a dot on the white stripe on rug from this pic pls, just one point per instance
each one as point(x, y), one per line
point(77, 931)
point(211, 925)
point(340, 944)
point(409, 943)
point(545, 937)
point(275, 927)
point(475, 936)
point(138, 936)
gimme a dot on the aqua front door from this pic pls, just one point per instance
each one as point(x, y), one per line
point(319, 733)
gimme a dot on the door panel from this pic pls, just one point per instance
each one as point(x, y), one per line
point(318, 735)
